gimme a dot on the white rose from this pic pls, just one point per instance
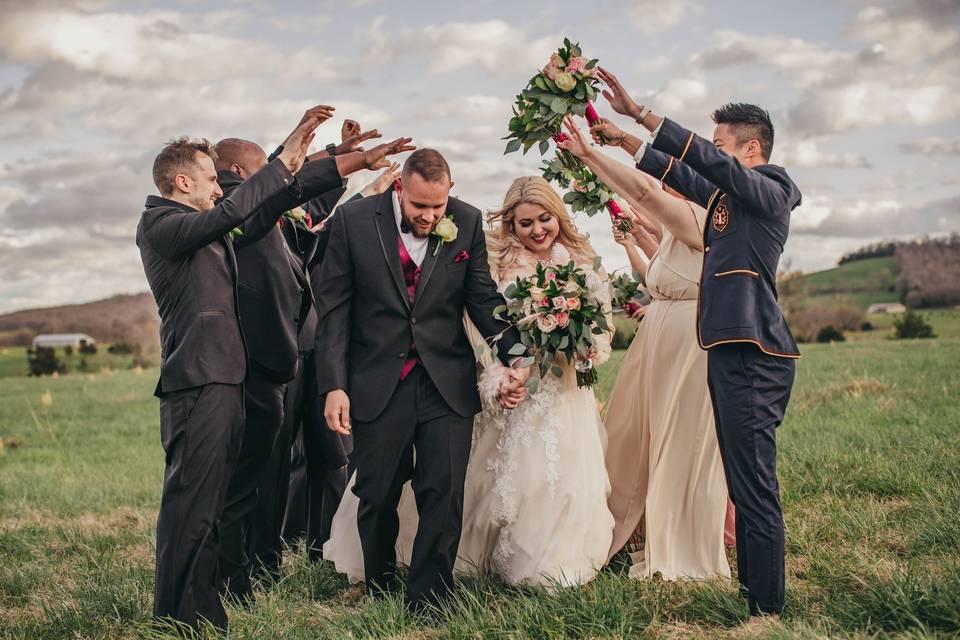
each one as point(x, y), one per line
point(537, 294)
point(446, 230)
point(565, 81)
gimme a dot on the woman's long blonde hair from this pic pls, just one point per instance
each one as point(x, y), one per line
point(504, 247)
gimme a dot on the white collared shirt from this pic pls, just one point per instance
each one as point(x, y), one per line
point(416, 247)
point(638, 156)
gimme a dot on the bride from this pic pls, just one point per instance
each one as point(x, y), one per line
point(535, 498)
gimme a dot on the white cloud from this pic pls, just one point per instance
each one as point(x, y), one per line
point(807, 153)
point(651, 17)
point(933, 145)
point(493, 45)
point(802, 62)
point(470, 108)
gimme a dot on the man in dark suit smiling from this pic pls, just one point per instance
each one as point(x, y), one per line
point(190, 264)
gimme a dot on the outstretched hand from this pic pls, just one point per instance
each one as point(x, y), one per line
point(613, 135)
point(355, 142)
point(376, 158)
point(383, 181)
point(576, 143)
point(617, 96)
point(349, 129)
point(296, 145)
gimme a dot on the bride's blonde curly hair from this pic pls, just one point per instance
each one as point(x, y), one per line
point(504, 247)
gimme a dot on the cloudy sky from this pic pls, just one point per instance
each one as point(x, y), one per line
point(865, 97)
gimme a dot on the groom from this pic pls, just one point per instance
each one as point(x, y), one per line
point(394, 360)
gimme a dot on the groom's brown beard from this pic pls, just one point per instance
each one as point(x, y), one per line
point(406, 227)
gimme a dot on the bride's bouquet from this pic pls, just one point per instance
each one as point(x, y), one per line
point(559, 311)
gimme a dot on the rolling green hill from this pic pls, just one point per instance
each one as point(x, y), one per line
point(862, 283)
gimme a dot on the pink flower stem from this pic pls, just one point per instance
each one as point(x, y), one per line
point(616, 214)
point(593, 118)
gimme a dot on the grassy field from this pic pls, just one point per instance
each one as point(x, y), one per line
point(870, 473)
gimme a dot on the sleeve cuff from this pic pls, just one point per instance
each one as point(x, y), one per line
point(638, 156)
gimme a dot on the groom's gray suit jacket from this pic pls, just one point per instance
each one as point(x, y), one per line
point(366, 321)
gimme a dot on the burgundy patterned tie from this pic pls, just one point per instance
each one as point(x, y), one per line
point(411, 276)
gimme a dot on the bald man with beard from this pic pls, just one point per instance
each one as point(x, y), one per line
point(273, 297)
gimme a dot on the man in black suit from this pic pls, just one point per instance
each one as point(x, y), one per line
point(318, 460)
point(393, 357)
point(189, 261)
point(751, 353)
point(274, 296)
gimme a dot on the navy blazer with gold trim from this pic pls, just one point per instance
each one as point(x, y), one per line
point(748, 220)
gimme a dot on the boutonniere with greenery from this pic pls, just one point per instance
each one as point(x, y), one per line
point(235, 233)
point(297, 214)
point(445, 231)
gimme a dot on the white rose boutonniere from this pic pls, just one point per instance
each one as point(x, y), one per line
point(445, 231)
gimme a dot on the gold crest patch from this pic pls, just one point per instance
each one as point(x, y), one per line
point(720, 217)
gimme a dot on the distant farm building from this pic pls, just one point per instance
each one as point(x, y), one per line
point(887, 307)
point(54, 340)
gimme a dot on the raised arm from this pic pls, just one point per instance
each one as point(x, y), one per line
point(179, 234)
point(639, 189)
point(765, 193)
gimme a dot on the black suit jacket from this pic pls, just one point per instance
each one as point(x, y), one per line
point(366, 321)
point(274, 295)
point(748, 220)
point(191, 266)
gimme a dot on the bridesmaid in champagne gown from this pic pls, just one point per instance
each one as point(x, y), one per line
point(662, 458)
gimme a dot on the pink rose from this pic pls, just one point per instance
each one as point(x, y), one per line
point(577, 65)
point(553, 67)
point(559, 302)
point(573, 304)
point(547, 323)
point(550, 276)
point(562, 318)
point(579, 186)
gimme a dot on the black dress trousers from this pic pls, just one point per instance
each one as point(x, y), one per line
point(750, 391)
point(200, 429)
point(263, 402)
point(416, 419)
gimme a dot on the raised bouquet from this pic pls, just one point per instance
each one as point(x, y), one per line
point(566, 85)
point(560, 312)
point(585, 191)
point(623, 288)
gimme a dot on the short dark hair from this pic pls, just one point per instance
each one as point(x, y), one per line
point(176, 157)
point(751, 123)
point(428, 164)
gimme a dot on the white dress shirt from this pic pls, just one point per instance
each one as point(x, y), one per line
point(638, 156)
point(416, 247)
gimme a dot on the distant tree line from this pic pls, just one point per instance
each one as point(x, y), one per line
point(875, 250)
point(929, 268)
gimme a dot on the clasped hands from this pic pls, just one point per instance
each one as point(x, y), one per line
point(513, 389)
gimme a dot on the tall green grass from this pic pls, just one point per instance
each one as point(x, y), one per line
point(869, 466)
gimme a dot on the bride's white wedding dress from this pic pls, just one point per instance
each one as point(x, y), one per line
point(535, 499)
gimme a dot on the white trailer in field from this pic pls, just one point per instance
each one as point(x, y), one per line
point(54, 340)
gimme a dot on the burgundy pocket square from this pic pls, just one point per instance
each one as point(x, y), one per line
point(463, 255)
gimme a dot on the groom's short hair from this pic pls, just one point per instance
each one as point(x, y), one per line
point(428, 164)
point(178, 157)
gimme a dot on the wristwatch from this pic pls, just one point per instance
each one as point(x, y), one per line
point(331, 149)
